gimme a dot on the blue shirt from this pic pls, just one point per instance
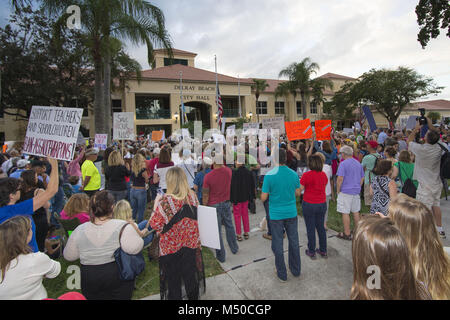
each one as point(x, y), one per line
point(381, 137)
point(16, 174)
point(24, 208)
point(198, 181)
point(281, 183)
point(353, 172)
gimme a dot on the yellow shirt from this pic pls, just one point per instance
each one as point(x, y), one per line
point(88, 169)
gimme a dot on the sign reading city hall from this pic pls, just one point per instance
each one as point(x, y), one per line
point(209, 96)
point(52, 132)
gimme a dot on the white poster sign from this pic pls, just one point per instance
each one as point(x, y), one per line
point(123, 126)
point(411, 123)
point(218, 138)
point(162, 177)
point(101, 140)
point(348, 130)
point(274, 123)
point(53, 132)
point(250, 128)
point(208, 227)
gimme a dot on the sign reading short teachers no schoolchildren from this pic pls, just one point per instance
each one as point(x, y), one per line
point(52, 132)
point(123, 126)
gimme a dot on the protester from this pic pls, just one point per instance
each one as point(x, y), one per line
point(73, 168)
point(426, 171)
point(379, 246)
point(383, 188)
point(22, 165)
point(138, 194)
point(242, 191)
point(216, 193)
point(200, 176)
point(77, 207)
point(91, 177)
point(281, 185)
point(406, 171)
point(188, 165)
point(115, 174)
point(350, 177)
point(175, 220)
point(10, 195)
point(22, 271)
point(431, 265)
point(99, 272)
point(329, 192)
point(368, 163)
point(314, 205)
point(165, 161)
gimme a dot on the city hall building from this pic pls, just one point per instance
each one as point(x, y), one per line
point(156, 99)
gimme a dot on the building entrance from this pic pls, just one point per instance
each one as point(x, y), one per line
point(198, 111)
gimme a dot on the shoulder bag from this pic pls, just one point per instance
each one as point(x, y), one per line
point(129, 265)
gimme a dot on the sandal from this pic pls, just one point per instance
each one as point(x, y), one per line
point(343, 236)
point(239, 237)
point(246, 236)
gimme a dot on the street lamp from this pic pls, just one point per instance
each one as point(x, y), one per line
point(176, 116)
point(250, 114)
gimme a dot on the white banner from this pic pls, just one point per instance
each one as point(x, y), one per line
point(53, 132)
point(123, 126)
point(101, 140)
point(208, 227)
point(274, 123)
point(162, 177)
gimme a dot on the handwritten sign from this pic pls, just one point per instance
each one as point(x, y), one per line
point(250, 128)
point(101, 140)
point(323, 129)
point(298, 130)
point(123, 127)
point(157, 135)
point(274, 123)
point(207, 227)
point(52, 131)
point(162, 177)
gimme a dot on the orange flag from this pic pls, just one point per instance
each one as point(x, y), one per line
point(157, 135)
point(298, 130)
point(323, 129)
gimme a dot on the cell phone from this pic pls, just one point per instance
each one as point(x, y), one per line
point(160, 191)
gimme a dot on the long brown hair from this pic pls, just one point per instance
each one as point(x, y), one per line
point(137, 164)
point(78, 203)
point(430, 263)
point(13, 241)
point(377, 242)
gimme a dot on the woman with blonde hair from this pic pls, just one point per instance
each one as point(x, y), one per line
point(138, 193)
point(21, 270)
point(431, 265)
point(122, 211)
point(175, 221)
point(115, 174)
point(77, 207)
point(378, 243)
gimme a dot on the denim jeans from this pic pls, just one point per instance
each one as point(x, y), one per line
point(119, 195)
point(57, 205)
point(224, 217)
point(314, 215)
point(291, 227)
point(148, 238)
point(138, 202)
point(266, 207)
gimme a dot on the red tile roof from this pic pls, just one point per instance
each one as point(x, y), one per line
point(176, 51)
point(189, 73)
point(336, 76)
point(273, 84)
point(430, 105)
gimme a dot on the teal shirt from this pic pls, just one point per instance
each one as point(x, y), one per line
point(281, 183)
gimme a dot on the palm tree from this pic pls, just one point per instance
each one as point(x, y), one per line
point(299, 75)
point(284, 89)
point(137, 21)
point(259, 86)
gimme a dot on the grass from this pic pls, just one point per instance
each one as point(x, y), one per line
point(147, 283)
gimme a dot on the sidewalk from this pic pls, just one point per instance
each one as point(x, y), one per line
point(250, 274)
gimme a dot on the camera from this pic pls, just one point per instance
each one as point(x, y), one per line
point(422, 119)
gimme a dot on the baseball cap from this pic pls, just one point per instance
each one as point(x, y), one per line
point(373, 144)
point(22, 163)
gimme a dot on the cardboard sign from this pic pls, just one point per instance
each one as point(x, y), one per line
point(123, 127)
point(53, 132)
point(101, 140)
point(157, 135)
point(298, 130)
point(207, 227)
point(323, 129)
point(250, 128)
point(162, 177)
point(274, 123)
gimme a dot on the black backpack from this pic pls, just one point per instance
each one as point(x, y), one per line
point(445, 163)
point(408, 186)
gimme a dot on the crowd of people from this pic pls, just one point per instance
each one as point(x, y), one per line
point(109, 193)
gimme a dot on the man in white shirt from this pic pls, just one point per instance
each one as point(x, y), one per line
point(381, 136)
point(427, 171)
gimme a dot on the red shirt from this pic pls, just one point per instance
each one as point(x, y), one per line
point(218, 181)
point(151, 167)
point(314, 183)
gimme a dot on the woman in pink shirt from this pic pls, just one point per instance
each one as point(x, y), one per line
point(77, 207)
point(73, 168)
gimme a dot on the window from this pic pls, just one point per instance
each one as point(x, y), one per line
point(261, 107)
point(81, 103)
point(279, 107)
point(230, 107)
point(299, 107)
point(313, 107)
point(116, 106)
point(169, 62)
point(152, 107)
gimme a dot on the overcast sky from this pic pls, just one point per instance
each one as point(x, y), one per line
point(258, 38)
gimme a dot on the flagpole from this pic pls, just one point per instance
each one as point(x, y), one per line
point(181, 97)
point(217, 89)
point(239, 91)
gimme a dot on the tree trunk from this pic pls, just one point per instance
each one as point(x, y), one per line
point(99, 113)
point(303, 105)
point(107, 93)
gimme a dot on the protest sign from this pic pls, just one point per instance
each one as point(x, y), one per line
point(207, 227)
point(369, 117)
point(101, 140)
point(323, 129)
point(218, 138)
point(274, 123)
point(348, 130)
point(53, 132)
point(123, 127)
point(298, 130)
point(411, 123)
point(250, 128)
point(162, 177)
point(81, 139)
point(157, 135)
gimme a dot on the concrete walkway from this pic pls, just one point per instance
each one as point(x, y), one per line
point(250, 274)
